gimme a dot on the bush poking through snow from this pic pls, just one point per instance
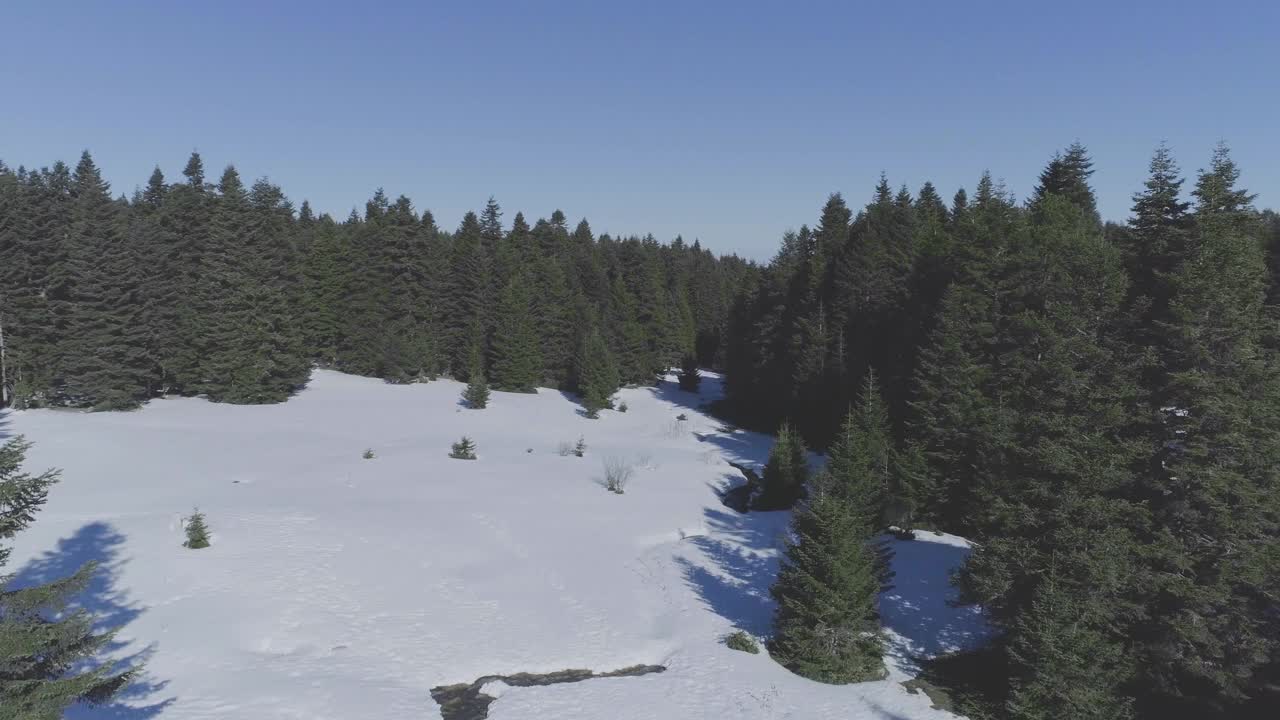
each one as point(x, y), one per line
point(368, 454)
point(564, 449)
point(739, 640)
point(675, 429)
point(581, 448)
point(682, 417)
point(617, 474)
point(464, 449)
point(622, 406)
point(197, 531)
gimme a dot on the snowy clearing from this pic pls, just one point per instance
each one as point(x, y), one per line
point(342, 587)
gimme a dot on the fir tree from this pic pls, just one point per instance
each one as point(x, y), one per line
point(785, 475)
point(1025, 395)
point(464, 449)
point(468, 294)
point(517, 362)
point(1215, 545)
point(596, 376)
point(476, 394)
point(197, 531)
point(826, 626)
point(1067, 176)
point(101, 360)
point(47, 648)
point(689, 377)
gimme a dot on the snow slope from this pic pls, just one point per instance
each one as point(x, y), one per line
point(339, 587)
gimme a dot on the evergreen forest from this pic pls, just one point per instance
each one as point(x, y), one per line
point(1094, 403)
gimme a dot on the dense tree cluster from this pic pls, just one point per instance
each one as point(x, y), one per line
point(229, 291)
point(1096, 406)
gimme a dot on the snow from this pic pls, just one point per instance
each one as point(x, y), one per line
point(339, 587)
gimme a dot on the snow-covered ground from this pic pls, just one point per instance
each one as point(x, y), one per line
point(339, 587)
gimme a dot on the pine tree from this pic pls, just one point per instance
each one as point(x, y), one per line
point(326, 278)
point(251, 348)
point(596, 377)
point(464, 449)
point(1154, 244)
point(785, 474)
point(689, 377)
point(188, 213)
point(1064, 659)
point(517, 362)
point(1067, 176)
point(1215, 548)
point(476, 394)
point(47, 650)
point(890, 484)
point(101, 360)
point(1024, 398)
point(197, 531)
point(826, 627)
point(468, 293)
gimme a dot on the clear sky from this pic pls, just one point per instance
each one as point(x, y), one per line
point(724, 121)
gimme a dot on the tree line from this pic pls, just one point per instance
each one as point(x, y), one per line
point(1096, 406)
point(229, 292)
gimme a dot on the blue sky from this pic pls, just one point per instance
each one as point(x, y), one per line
point(728, 122)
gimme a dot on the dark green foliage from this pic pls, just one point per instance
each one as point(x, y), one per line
point(230, 292)
point(197, 531)
point(368, 454)
point(826, 627)
point(100, 362)
point(517, 363)
point(739, 640)
point(580, 448)
point(596, 377)
point(1025, 396)
point(464, 449)
point(1067, 177)
point(476, 394)
point(1065, 658)
point(47, 646)
point(1212, 486)
point(689, 377)
point(785, 474)
point(1094, 405)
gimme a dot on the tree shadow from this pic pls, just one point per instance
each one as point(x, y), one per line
point(921, 608)
point(742, 556)
point(100, 544)
point(668, 390)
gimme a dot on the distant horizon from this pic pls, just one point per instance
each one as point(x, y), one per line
point(728, 124)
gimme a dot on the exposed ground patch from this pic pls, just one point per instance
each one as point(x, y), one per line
point(465, 701)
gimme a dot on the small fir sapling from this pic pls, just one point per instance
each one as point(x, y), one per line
point(197, 531)
point(464, 449)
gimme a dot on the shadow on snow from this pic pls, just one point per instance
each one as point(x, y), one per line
point(743, 554)
point(100, 544)
point(921, 607)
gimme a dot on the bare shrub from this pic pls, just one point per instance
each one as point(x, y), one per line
point(675, 429)
point(564, 449)
point(617, 474)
